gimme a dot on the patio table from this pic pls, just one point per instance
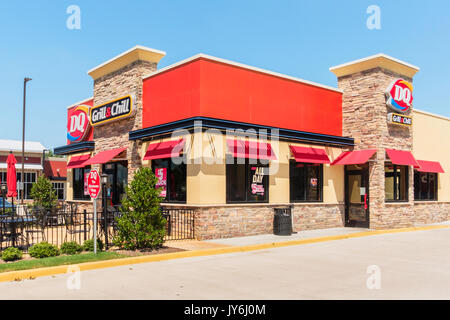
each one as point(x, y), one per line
point(13, 221)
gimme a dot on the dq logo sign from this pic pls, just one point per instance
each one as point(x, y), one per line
point(399, 95)
point(78, 124)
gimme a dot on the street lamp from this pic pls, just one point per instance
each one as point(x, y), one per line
point(104, 181)
point(4, 187)
point(25, 80)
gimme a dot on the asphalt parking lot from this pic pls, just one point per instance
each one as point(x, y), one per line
point(411, 265)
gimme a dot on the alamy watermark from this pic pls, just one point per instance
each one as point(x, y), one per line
point(374, 19)
point(74, 279)
point(374, 280)
point(73, 22)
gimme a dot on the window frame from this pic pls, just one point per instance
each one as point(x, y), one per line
point(428, 185)
point(293, 162)
point(85, 197)
point(169, 181)
point(395, 183)
point(247, 165)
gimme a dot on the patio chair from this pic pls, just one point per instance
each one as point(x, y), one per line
point(35, 227)
point(75, 225)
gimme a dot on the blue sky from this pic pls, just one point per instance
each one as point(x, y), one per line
point(297, 38)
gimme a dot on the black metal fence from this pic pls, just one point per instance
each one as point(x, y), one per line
point(59, 226)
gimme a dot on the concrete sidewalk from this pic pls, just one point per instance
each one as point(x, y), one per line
point(271, 238)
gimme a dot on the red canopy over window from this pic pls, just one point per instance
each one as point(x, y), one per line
point(309, 155)
point(429, 166)
point(167, 149)
point(104, 156)
point(354, 157)
point(78, 161)
point(404, 158)
point(251, 149)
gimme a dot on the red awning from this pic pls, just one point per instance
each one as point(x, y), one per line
point(430, 166)
point(251, 149)
point(167, 149)
point(104, 156)
point(78, 161)
point(404, 158)
point(354, 157)
point(309, 155)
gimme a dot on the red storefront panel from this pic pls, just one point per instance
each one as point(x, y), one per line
point(208, 88)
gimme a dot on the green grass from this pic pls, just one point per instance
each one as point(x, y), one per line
point(58, 261)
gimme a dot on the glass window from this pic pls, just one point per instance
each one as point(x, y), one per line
point(172, 179)
point(80, 191)
point(30, 178)
point(425, 185)
point(305, 180)
point(59, 189)
point(247, 180)
point(395, 182)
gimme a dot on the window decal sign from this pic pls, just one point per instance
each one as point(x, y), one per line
point(399, 95)
point(111, 111)
point(161, 174)
point(86, 190)
point(78, 124)
point(257, 181)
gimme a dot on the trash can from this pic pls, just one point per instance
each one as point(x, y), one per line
point(282, 222)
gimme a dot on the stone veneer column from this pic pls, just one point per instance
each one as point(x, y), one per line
point(116, 78)
point(364, 112)
point(127, 80)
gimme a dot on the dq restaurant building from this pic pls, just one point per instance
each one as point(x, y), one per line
point(232, 142)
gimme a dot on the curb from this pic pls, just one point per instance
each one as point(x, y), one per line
point(41, 272)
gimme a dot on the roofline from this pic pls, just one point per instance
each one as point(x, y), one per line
point(431, 114)
point(80, 102)
point(125, 53)
point(240, 65)
point(378, 55)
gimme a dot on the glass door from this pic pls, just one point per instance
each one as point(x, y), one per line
point(357, 196)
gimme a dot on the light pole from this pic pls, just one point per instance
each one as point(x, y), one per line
point(22, 178)
point(104, 181)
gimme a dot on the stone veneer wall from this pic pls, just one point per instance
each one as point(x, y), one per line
point(229, 221)
point(364, 113)
point(127, 80)
point(431, 212)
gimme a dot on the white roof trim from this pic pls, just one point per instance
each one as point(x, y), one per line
point(431, 114)
point(125, 53)
point(379, 55)
point(244, 66)
point(79, 102)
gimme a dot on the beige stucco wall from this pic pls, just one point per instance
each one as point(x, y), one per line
point(206, 177)
point(432, 143)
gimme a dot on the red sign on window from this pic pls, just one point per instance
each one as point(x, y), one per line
point(94, 184)
point(161, 174)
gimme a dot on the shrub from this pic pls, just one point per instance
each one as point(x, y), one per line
point(43, 250)
point(43, 194)
point(71, 248)
point(88, 245)
point(141, 224)
point(11, 254)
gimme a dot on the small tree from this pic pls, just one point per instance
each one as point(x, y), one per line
point(142, 224)
point(43, 194)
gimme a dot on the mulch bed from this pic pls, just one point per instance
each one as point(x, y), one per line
point(135, 253)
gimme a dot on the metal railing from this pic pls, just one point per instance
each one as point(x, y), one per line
point(59, 226)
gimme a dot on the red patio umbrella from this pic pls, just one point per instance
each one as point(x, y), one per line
point(11, 178)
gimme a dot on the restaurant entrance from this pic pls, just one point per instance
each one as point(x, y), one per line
point(117, 180)
point(357, 196)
